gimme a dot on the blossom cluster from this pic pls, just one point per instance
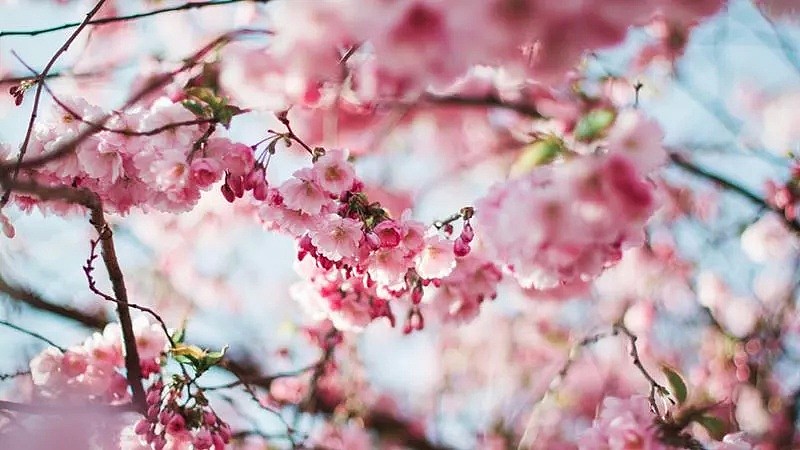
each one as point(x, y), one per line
point(171, 426)
point(622, 423)
point(564, 223)
point(362, 257)
point(94, 369)
point(154, 159)
point(404, 48)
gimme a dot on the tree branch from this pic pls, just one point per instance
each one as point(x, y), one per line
point(30, 333)
point(107, 20)
point(92, 202)
point(685, 164)
point(38, 94)
point(59, 409)
point(34, 301)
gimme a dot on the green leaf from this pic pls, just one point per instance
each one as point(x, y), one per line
point(183, 359)
point(594, 124)
point(213, 358)
point(676, 383)
point(196, 108)
point(714, 426)
point(538, 153)
point(178, 336)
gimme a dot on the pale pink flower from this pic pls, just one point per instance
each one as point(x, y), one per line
point(7, 226)
point(388, 267)
point(735, 441)
point(151, 341)
point(333, 172)
point(769, 241)
point(165, 113)
point(46, 368)
point(102, 161)
point(436, 260)
point(302, 193)
point(338, 238)
point(622, 424)
point(345, 437)
point(638, 138)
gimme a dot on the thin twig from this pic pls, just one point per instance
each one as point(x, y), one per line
point(31, 334)
point(107, 20)
point(38, 94)
point(730, 186)
point(151, 87)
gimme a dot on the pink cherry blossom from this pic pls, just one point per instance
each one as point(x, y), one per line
point(338, 238)
point(436, 260)
point(333, 172)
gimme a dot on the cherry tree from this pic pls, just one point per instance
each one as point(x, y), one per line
point(423, 224)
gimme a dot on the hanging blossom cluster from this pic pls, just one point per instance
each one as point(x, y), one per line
point(360, 258)
point(407, 47)
point(94, 369)
point(172, 424)
point(565, 222)
point(156, 158)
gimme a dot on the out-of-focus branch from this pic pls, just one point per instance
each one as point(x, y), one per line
point(59, 409)
point(731, 186)
point(107, 20)
point(486, 101)
point(35, 301)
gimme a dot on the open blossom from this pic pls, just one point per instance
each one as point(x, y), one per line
point(565, 223)
point(153, 171)
point(436, 260)
point(333, 172)
point(7, 226)
point(639, 139)
point(768, 240)
point(348, 437)
point(622, 424)
point(338, 238)
point(94, 368)
point(472, 281)
point(302, 193)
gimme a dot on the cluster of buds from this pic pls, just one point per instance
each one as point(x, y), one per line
point(18, 91)
point(192, 422)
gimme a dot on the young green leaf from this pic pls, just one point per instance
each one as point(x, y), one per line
point(676, 384)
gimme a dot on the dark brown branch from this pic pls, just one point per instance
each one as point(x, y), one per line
point(92, 202)
point(486, 101)
point(107, 20)
point(389, 426)
point(655, 387)
point(730, 186)
point(34, 301)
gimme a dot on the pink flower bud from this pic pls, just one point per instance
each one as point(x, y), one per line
point(467, 234)
point(142, 427)
point(176, 424)
point(227, 192)
point(460, 248)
